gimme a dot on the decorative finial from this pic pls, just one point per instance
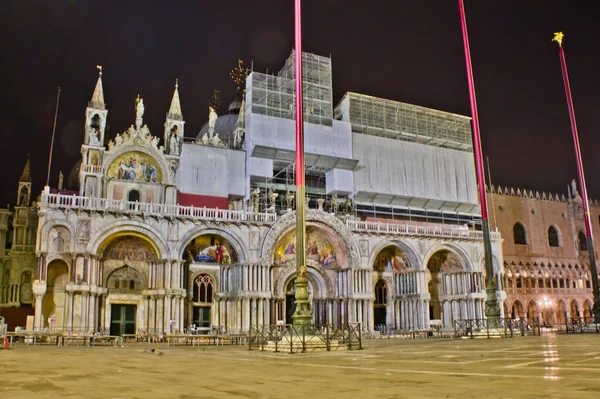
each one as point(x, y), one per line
point(176, 83)
point(558, 38)
point(99, 68)
point(238, 74)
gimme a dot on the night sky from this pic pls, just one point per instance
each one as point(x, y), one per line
point(410, 51)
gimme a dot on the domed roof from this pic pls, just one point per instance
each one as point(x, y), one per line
point(73, 181)
point(224, 127)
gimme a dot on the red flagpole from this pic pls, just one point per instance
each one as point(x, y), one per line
point(303, 312)
point(558, 37)
point(492, 309)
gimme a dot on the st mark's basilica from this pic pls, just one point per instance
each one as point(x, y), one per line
point(161, 232)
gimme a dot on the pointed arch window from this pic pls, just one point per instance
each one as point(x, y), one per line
point(582, 242)
point(519, 234)
point(381, 291)
point(553, 237)
point(203, 289)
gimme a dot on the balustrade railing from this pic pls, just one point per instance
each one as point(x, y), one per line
point(416, 230)
point(152, 209)
point(97, 169)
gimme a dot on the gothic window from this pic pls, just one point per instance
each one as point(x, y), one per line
point(519, 234)
point(553, 237)
point(133, 196)
point(203, 289)
point(381, 293)
point(582, 242)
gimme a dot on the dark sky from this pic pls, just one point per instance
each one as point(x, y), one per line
point(409, 51)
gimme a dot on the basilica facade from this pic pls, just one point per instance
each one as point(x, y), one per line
point(166, 233)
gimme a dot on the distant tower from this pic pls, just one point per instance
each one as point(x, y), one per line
point(174, 125)
point(24, 193)
point(25, 215)
point(92, 150)
point(95, 116)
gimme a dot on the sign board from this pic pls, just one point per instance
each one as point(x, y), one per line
point(172, 322)
point(51, 319)
point(280, 322)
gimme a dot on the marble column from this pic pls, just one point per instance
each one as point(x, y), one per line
point(38, 312)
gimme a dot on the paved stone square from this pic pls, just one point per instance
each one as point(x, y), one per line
point(551, 366)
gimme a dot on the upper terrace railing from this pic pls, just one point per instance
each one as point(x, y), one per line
point(416, 230)
point(62, 201)
point(152, 209)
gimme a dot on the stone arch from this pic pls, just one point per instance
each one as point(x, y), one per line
point(457, 250)
point(405, 247)
point(44, 232)
point(561, 311)
point(574, 308)
point(234, 240)
point(105, 234)
point(316, 217)
point(517, 308)
point(315, 274)
point(133, 279)
point(531, 309)
point(587, 308)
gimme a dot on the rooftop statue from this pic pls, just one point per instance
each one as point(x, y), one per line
point(139, 108)
point(212, 121)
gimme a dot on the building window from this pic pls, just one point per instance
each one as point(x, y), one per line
point(203, 289)
point(381, 293)
point(553, 238)
point(134, 196)
point(582, 242)
point(519, 234)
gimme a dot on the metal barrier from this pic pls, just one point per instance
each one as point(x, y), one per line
point(299, 338)
point(582, 324)
point(496, 327)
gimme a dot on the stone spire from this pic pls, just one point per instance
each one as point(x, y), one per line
point(98, 96)
point(175, 109)
point(26, 175)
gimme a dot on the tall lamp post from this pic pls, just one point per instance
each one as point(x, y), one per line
point(303, 314)
point(558, 37)
point(492, 310)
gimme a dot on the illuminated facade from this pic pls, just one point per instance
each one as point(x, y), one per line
point(158, 234)
point(546, 259)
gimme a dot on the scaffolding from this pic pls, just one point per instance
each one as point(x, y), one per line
point(380, 117)
point(273, 95)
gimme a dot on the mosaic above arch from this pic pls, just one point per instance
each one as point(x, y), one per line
point(391, 258)
point(319, 248)
point(211, 248)
point(135, 166)
point(445, 261)
point(130, 248)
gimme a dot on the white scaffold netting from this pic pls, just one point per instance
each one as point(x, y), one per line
point(212, 171)
point(413, 170)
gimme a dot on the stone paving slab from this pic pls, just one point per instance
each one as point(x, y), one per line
point(551, 366)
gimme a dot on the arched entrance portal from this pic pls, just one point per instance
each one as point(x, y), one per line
point(130, 264)
point(402, 312)
point(451, 288)
point(53, 304)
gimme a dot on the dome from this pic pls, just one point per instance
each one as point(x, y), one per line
point(73, 181)
point(224, 127)
point(236, 104)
